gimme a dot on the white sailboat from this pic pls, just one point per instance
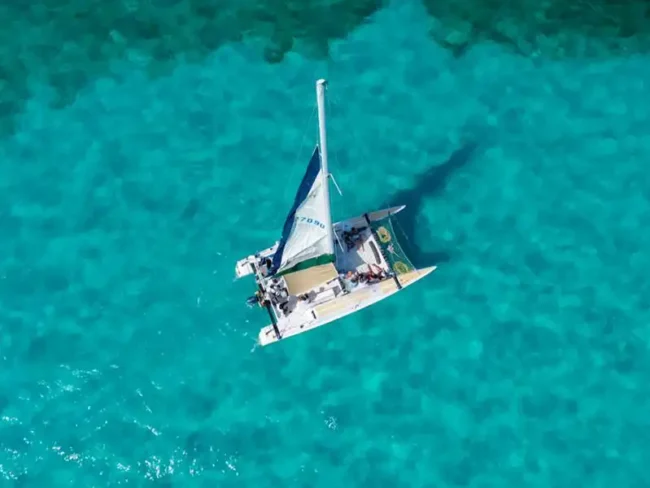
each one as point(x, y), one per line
point(319, 272)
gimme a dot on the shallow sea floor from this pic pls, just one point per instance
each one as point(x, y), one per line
point(127, 350)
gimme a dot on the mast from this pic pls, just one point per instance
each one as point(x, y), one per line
point(321, 85)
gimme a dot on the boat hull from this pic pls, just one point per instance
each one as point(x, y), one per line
point(345, 305)
point(332, 303)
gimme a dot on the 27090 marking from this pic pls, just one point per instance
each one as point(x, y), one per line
point(308, 220)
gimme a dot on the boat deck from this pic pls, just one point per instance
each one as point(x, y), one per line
point(359, 265)
point(356, 250)
point(309, 298)
point(344, 304)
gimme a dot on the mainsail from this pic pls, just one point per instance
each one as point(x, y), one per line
point(307, 234)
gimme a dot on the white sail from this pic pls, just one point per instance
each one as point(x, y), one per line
point(307, 237)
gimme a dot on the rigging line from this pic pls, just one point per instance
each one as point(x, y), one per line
point(337, 162)
point(304, 133)
point(407, 240)
point(330, 104)
point(356, 140)
point(302, 142)
point(401, 229)
point(361, 159)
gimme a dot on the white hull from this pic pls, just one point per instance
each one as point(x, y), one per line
point(339, 307)
point(333, 297)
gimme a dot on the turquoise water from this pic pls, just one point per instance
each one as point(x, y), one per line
point(128, 354)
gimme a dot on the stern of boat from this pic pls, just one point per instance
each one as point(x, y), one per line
point(248, 265)
point(245, 267)
point(267, 336)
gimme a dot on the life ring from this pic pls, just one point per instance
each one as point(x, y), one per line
point(383, 234)
point(400, 267)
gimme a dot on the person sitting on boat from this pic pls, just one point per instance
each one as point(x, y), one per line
point(370, 277)
point(351, 275)
point(276, 297)
point(263, 268)
point(307, 297)
point(375, 276)
point(287, 306)
point(353, 238)
point(277, 291)
point(348, 240)
point(349, 280)
point(274, 285)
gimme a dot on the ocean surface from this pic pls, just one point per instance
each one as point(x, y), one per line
point(128, 356)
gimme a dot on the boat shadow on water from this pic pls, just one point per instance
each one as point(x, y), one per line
point(429, 184)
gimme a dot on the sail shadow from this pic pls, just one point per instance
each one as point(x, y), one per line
point(428, 184)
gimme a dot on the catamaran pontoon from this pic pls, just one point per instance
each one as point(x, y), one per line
point(319, 272)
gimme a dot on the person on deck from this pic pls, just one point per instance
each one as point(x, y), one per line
point(353, 238)
point(375, 276)
point(350, 280)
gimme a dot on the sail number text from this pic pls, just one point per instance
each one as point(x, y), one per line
point(311, 221)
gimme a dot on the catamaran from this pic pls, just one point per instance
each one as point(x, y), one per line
point(319, 272)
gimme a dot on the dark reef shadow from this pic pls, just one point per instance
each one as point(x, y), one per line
point(167, 31)
point(429, 184)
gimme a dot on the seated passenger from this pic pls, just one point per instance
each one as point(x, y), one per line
point(352, 275)
point(349, 280)
point(353, 238)
point(375, 276)
point(349, 243)
point(264, 265)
